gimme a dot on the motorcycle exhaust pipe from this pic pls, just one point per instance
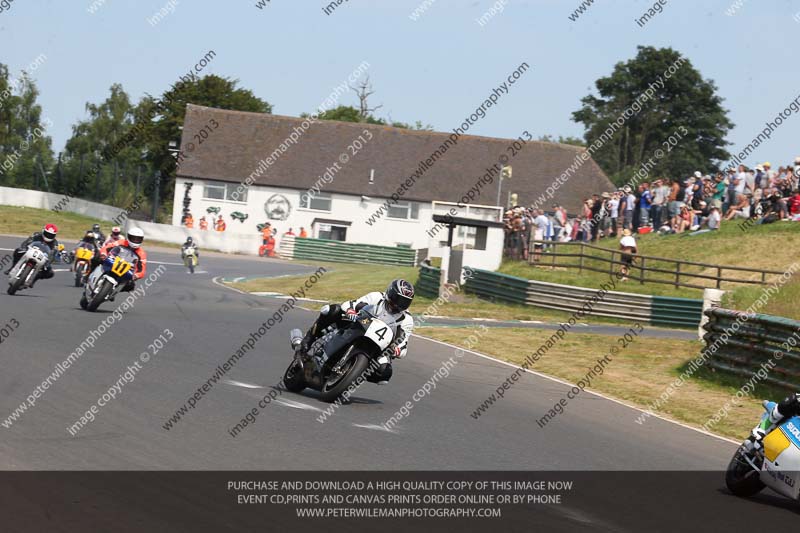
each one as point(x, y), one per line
point(295, 338)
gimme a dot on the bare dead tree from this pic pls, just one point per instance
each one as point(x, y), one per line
point(364, 91)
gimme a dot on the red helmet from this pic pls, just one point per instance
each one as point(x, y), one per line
point(115, 231)
point(49, 232)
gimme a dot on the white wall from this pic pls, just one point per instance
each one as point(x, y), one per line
point(490, 258)
point(206, 240)
point(386, 232)
point(46, 200)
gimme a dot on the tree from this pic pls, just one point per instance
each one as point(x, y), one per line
point(119, 137)
point(168, 112)
point(25, 148)
point(364, 91)
point(345, 113)
point(686, 104)
point(574, 141)
point(108, 125)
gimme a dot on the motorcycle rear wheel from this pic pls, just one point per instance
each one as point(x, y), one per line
point(17, 284)
point(741, 479)
point(293, 378)
point(334, 386)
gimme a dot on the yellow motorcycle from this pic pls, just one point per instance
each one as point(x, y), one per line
point(83, 259)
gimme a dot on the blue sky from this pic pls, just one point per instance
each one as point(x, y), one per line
point(437, 69)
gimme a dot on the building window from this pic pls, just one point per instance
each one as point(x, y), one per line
point(214, 190)
point(319, 202)
point(219, 190)
point(404, 210)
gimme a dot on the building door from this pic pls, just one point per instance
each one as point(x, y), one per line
point(332, 232)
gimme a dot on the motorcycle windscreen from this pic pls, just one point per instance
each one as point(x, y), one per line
point(43, 246)
point(125, 253)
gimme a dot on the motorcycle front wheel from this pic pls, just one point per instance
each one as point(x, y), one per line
point(740, 477)
point(100, 297)
point(293, 378)
point(336, 384)
point(14, 286)
point(79, 273)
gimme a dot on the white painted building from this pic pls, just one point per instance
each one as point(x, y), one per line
point(334, 179)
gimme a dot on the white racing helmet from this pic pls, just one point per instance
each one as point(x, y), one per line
point(135, 237)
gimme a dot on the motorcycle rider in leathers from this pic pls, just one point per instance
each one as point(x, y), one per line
point(47, 236)
point(787, 408)
point(392, 305)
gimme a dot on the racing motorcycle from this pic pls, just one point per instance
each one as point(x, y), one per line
point(776, 465)
point(62, 255)
point(341, 355)
point(109, 278)
point(23, 275)
point(83, 258)
point(190, 258)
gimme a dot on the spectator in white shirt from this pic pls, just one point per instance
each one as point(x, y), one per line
point(627, 245)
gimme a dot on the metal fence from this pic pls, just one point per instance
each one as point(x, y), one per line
point(345, 252)
point(656, 310)
point(647, 268)
point(429, 281)
point(742, 344)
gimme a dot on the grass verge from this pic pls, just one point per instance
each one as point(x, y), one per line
point(345, 281)
point(637, 374)
point(768, 247)
point(71, 226)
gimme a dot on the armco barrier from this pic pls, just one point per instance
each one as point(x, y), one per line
point(428, 282)
point(756, 342)
point(657, 310)
point(346, 252)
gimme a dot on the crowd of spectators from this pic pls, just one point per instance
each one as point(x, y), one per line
point(692, 205)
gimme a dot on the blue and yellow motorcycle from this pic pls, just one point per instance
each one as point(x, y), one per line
point(109, 278)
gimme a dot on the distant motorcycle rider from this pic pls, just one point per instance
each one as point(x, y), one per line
point(48, 237)
point(99, 238)
point(787, 408)
point(90, 243)
point(134, 241)
point(189, 244)
point(392, 305)
point(114, 238)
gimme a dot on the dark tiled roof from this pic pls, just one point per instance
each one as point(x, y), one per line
point(232, 152)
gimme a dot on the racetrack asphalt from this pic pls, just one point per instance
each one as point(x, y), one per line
point(210, 322)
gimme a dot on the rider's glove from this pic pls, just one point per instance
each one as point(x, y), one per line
point(351, 315)
point(758, 436)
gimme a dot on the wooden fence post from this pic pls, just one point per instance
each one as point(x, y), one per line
point(580, 263)
point(641, 279)
point(677, 274)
